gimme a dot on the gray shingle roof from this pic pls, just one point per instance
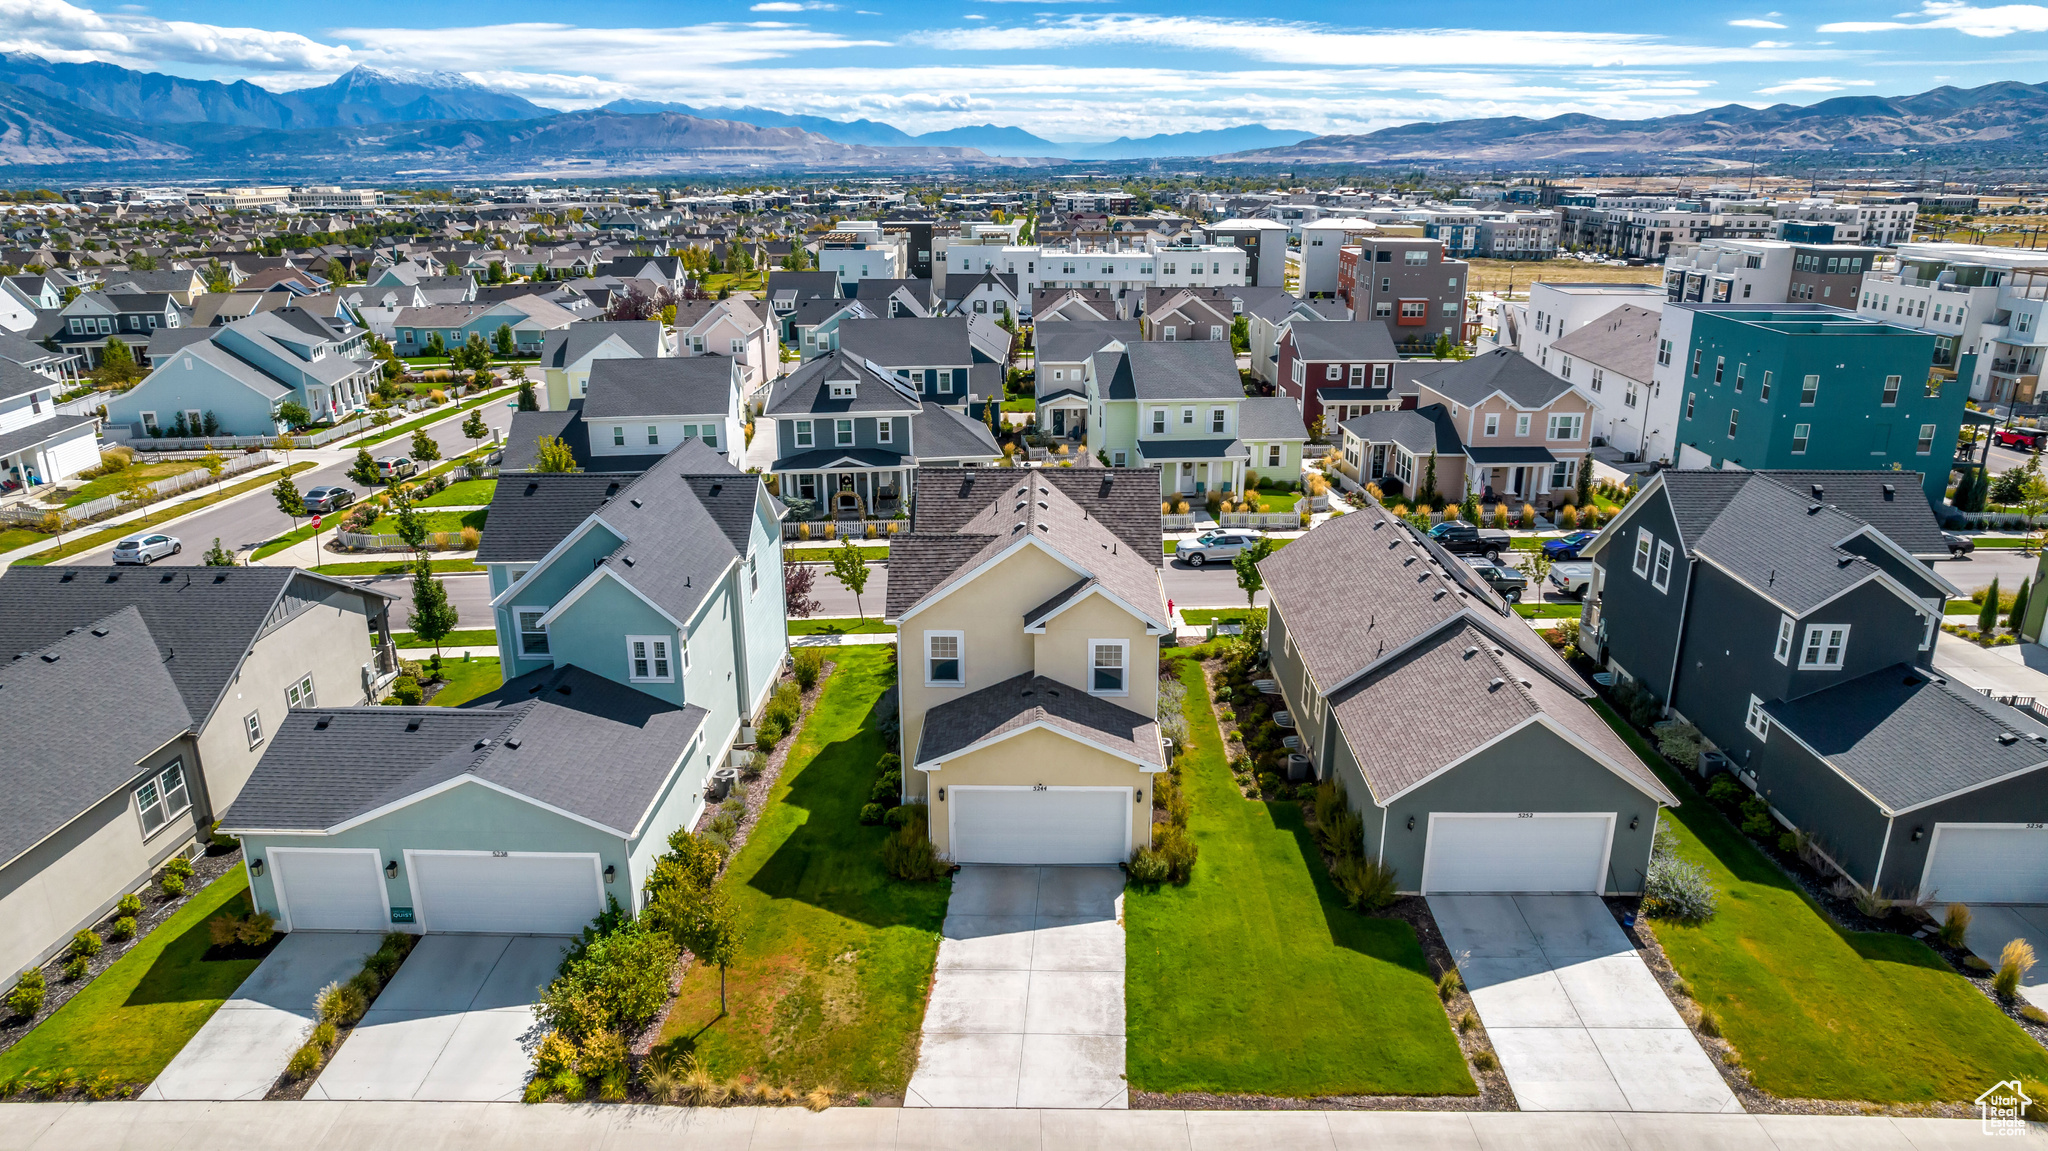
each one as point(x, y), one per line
point(1624, 341)
point(944, 433)
point(1892, 502)
point(907, 342)
point(532, 513)
point(804, 391)
point(1175, 448)
point(1021, 701)
point(1505, 371)
point(1908, 737)
point(676, 545)
point(1420, 430)
point(670, 386)
point(1156, 370)
point(565, 346)
point(1073, 341)
point(1125, 499)
point(562, 736)
point(1270, 418)
point(78, 716)
point(1348, 340)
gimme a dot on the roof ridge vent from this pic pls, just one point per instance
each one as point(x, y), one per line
point(1496, 683)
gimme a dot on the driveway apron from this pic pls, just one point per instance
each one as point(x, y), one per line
point(1027, 1008)
point(1577, 1018)
point(1992, 926)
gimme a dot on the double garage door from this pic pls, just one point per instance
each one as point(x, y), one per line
point(1052, 825)
point(1987, 863)
point(1511, 852)
point(509, 893)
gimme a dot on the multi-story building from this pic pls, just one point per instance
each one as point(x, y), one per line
point(1322, 242)
point(1554, 311)
point(1173, 406)
point(1335, 370)
point(235, 380)
point(1981, 303)
point(83, 326)
point(862, 250)
point(1115, 265)
point(1518, 236)
point(1265, 246)
point(1725, 271)
point(1408, 285)
point(1881, 224)
point(1612, 363)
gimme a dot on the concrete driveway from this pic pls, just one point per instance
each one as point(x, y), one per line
point(242, 1050)
point(1027, 1009)
point(1578, 1020)
point(1993, 926)
point(454, 1025)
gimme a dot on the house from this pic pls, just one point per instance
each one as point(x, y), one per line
point(648, 407)
point(1090, 304)
point(939, 357)
point(1554, 311)
point(1185, 313)
point(531, 319)
point(1524, 431)
point(643, 622)
point(731, 327)
point(1061, 352)
point(238, 378)
point(141, 701)
point(1274, 438)
point(567, 355)
point(1405, 451)
point(1791, 616)
point(813, 325)
point(1513, 783)
point(1029, 609)
point(1406, 284)
point(62, 367)
point(83, 326)
point(891, 299)
point(1324, 367)
point(1268, 314)
point(1805, 386)
point(1612, 363)
point(180, 284)
point(1173, 407)
point(849, 434)
point(38, 446)
point(787, 289)
point(986, 293)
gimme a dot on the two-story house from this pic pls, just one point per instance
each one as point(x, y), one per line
point(1525, 432)
point(1336, 370)
point(38, 446)
point(1173, 407)
point(1513, 784)
point(531, 319)
point(241, 376)
point(731, 327)
point(939, 358)
point(1030, 608)
point(1062, 351)
point(139, 705)
point(567, 355)
point(1186, 313)
point(1093, 304)
point(1792, 616)
point(83, 326)
point(648, 407)
point(1268, 312)
point(1611, 361)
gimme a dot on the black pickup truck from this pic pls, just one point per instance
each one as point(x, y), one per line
point(1461, 538)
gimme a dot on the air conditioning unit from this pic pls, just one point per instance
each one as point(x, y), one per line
point(1299, 768)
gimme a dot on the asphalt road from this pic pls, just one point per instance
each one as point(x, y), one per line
point(1185, 586)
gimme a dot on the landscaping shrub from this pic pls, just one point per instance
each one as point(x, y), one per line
point(2033, 1014)
point(1680, 743)
point(1148, 867)
point(1872, 904)
point(908, 853)
point(1678, 889)
point(1178, 849)
point(615, 982)
point(122, 929)
point(785, 707)
point(1756, 818)
point(218, 841)
point(305, 1062)
point(1710, 1023)
point(1449, 984)
point(1367, 884)
point(407, 691)
point(1955, 926)
point(2014, 962)
point(75, 968)
point(873, 813)
point(172, 886)
point(340, 1004)
point(105, 1085)
point(85, 945)
point(26, 997)
point(806, 665)
point(130, 905)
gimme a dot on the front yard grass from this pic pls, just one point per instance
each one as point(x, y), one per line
point(467, 678)
point(831, 980)
point(139, 1013)
point(472, 637)
point(462, 493)
point(449, 522)
point(1818, 1012)
point(117, 482)
point(1254, 977)
point(85, 541)
point(840, 625)
point(397, 568)
point(393, 431)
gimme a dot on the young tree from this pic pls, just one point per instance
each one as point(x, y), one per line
point(294, 414)
point(117, 364)
point(424, 446)
point(286, 445)
point(218, 556)
point(503, 338)
point(528, 402)
point(289, 501)
point(852, 572)
point(412, 527)
point(433, 617)
point(364, 469)
point(797, 582)
point(555, 456)
point(474, 427)
point(704, 923)
point(435, 346)
point(1586, 481)
point(1246, 561)
point(215, 464)
point(1426, 493)
point(2019, 609)
point(1987, 619)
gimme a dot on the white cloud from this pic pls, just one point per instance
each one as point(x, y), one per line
point(793, 6)
point(1989, 23)
point(1754, 24)
point(59, 30)
point(638, 57)
point(1772, 44)
point(1814, 84)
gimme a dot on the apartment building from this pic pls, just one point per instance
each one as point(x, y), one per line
point(1982, 305)
point(1882, 225)
point(1322, 242)
point(1554, 311)
point(1115, 265)
point(1730, 271)
point(861, 250)
point(1407, 284)
point(1265, 244)
point(1518, 236)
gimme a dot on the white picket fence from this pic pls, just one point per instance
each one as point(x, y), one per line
point(169, 486)
point(1276, 521)
point(379, 542)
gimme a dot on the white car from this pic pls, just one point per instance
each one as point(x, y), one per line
point(146, 549)
point(1218, 546)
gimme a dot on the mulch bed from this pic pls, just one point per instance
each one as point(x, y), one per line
point(287, 1088)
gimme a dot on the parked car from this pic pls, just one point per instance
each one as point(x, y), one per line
point(1567, 547)
point(1219, 546)
point(1959, 545)
point(2030, 439)
point(146, 549)
point(328, 499)
point(1509, 582)
point(1463, 539)
point(394, 468)
point(1572, 578)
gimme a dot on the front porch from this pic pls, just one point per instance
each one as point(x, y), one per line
point(1196, 467)
point(1525, 473)
point(850, 493)
point(1064, 415)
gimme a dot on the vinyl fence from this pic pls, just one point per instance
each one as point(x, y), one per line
point(112, 505)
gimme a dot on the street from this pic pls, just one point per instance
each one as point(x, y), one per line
point(1185, 586)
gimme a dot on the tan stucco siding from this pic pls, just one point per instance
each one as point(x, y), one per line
point(1035, 757)
point(1063, 652)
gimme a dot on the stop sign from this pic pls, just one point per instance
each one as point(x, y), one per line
point(316, 523)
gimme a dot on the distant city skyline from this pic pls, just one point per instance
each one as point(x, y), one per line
point(1083, 69)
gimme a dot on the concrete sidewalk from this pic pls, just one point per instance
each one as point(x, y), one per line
point(317, 1126)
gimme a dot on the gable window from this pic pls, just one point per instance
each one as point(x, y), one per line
point(942, 663)
point(1891, 391)
point(1216, 419)
point(618, 436)
point(842, 432)
point(803, 433)
point(1334, 372)
point(252, 726)
point(1783, 651)
point(299, 694)
point(753, 576)
point(533, 638)
point(1107, 661)
point(1158, 421)
point(1763, 390)
point(1661, 577)
point(648, 658)
point(162, 797)
point(842, 389)
point(1493, 423)
point(1521, 423)
point(1169, 333)
point(1644, 540)
point(1926, 441)
point(653, 434)
point(1801, 433)
point(1809, 391)
point(1825, 645)
point(1758, 721)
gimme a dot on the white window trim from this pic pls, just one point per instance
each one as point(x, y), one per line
point(960, 658)
point(803, 434)
point(1644, 540)
point(1521, 424)
point(842, 437)
point(520, 632)
point(1493, 423)
point(1660, 577)
point(1786, 631)
point(252, 728)
point(1124, 661)
point(156, 783)
point(303, 689)
point(1820, 631)
point(1757, 721)
point(656, 645)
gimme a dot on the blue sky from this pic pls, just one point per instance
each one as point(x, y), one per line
point(1084, 69)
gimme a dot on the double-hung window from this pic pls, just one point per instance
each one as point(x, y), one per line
point(1809, 391)
point(618, 436)
point(1741, 377)
point(885, 430)
point(803, 433)
point(252, 727)
point(1696, 356)
point(1758, 721)
point(753, 576)
point(1108, 666)
point(654, 434)
point(162, 797)
point(1783, 651)
point(1187, 417)
point(1734, 420)
point(533, 638)
point(1720, 368)
point(299, 694)
point(1826, 643)
point(1492, 423)
point(1663, 351)
point(1660, 578)
point(1564, 427)
point(648, 659)
point(1763, 391)
point(1216, 418)
point(1801, 433)
point(1891, 392)
point(1158, 421)
point(1522, 423)
point(1689, 396)
point(942, 663)
point(1644, 543)
point(842, 433)
point(1926, 441)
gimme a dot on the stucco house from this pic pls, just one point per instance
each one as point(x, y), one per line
point(567, 355)
point(1172, 406)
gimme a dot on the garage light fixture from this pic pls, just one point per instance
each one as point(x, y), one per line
point(1633, 820)
point(610, 872)
point(1411, 823)
point(391, 869)
point(1917, 833)
point(256, 867)
point(942, 795)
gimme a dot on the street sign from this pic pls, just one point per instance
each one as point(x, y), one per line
point(316, 523)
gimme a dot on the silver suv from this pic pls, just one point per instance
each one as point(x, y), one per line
point(1219, 546)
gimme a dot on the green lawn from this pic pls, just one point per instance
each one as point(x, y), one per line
point(480, 637)
point(461, 493)
point(841, 625)
point(131, 1020)
point(75, 542)
point(1550, 610)
point(451, 522)
point(1021, 404)
point(116, 483)
point(1203, 616)
point(822, 553)
point(299, 534)
point(831, 981)
point(395, 567)
point(1254, 977)
point(12, 538)
point(2004, 542)
point(436, 416)
point(1816, 1012)
point(467, 678)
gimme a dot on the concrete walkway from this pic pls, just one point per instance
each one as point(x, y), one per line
point(1027, 1007)
point(242, 1050)
point(2019, 669)
point(598, 1127)
point(1577, 1019)
point(1994, 926)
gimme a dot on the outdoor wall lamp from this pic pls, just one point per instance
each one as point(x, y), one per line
point(1633, 820)
point(256, 867)
point(1138, 796)
point(1411, 823)
point(391, 870)
point(1917, 833)
point(610, 872)
point(942, 795)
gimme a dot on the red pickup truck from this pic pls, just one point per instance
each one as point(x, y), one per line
point(2028, 438)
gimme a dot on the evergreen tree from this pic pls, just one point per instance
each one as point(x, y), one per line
point(364, 470)
point(218, 556)
point(528, 402)
point(289, 501)
point(432, 615)
point(2019, 609)
point(1987, 618)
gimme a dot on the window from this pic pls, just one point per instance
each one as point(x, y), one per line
point(1891, 391)
point(1106, 663)
point(1117, 458)
point(1521, 423)
point(618, 436)
point(1564, 427)
point(1696, 362)
point(842, 389)
point(1720, 368)
point(1660, 578)
point(162, 797)
point(753, 575)
point(533, 638)
point(1168, 333)
point(885, 431)
point(1763, 391)
point(252, 726)
point(149, 419)
point(710, 435)
point(1689, 396)
point(942, 658)
point(1800, 434)
point(1644, 540)
point(1783, 652)
point(1334, 372)
point(1664, 351)
point(1215, 332)
point(1187, 417)
point(648, 656)
point(1599, 377)
point(1734, 419)
point(1563, 474)
point(1926, 441)
point(1216, 418)
point(1758, 721)
point(1158, 421)
point(1415, 257)
point(1564, 366)
point(1825, 645)
point(653, 434)
point(1809, 391)
point(1272, 455)
point(1414, 309)
point(1741, 377)
point(842, 432)
point(803, 433)
point(1493, 423)
point(299, 694)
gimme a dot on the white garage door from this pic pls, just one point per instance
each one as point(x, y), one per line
point(1510, 852)
point(518, 893)
point(330, 889)
point(1057, 825)
point(1996, 863)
